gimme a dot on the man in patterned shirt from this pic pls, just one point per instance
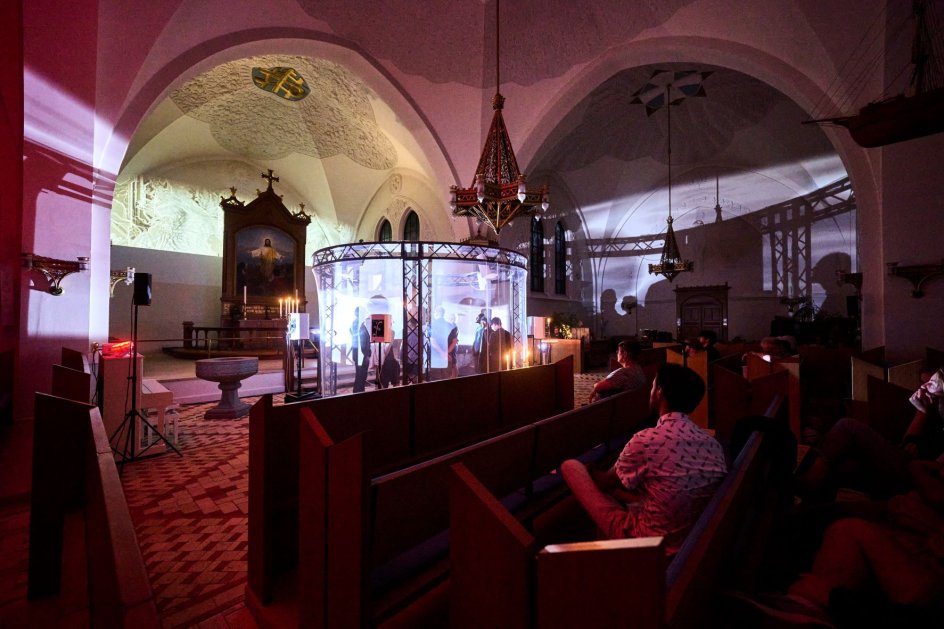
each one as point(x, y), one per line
point(664, 476)
point(629, 377)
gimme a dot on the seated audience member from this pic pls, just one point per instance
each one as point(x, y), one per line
point(853, 454)
point(629, 377)
point(899, 555)
point(664, 476)
point(707, 340)
point(691, 346)
point(773, 348)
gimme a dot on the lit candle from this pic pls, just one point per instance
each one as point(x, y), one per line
point(244, 295)
point(280, 308)
point(508, 360)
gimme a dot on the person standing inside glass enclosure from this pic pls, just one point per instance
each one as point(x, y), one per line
point(439, 330)
point(362, 368)
point(480, 344)
point(500, 347)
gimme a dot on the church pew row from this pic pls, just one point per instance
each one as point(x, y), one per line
point(71, 384)
point(888, 410)
point(83, 552)
point(599, 583)
point(373, 549)
point(406, 424)
point(736, 396)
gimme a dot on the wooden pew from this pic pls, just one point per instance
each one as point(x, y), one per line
point(71, 384)
point(889, 409)
point(599, 583)
point(736, 396)
point(370, 549)
point(78, 509)
point(370, 523)
point(757, 367)
point(74, 359)
point(406, 425)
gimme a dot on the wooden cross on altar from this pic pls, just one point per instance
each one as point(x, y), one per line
point(270, 178)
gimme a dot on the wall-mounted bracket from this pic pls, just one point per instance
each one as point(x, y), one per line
point(126, 276)
point(917, 274)
point(55, 270)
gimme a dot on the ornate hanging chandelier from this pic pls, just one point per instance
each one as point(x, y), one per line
point(671, 263)
point(498, 193)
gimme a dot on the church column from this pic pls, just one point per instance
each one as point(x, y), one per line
point(11, 169)
point(58, 206)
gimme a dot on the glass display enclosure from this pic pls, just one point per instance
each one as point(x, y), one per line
point(432, 292)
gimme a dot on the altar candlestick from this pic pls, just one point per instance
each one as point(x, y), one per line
point(280, 309)
point(244, 295)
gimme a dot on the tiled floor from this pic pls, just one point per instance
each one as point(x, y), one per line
point(190, 514)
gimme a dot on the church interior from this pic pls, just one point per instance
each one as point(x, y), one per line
point(589, 171)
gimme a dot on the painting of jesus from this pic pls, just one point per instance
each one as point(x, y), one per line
point(265, 262)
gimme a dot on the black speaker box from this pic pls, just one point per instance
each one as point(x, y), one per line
point(852, 306)
point(142, 289)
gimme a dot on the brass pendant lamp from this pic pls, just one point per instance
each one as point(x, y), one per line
point(671, 262)
point(498, 193)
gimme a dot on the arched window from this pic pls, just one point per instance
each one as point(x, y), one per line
point(537, 255)
point(411, 227)
point(560, 260)
point(385, 233)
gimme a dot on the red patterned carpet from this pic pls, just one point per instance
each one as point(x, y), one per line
point(190, 514)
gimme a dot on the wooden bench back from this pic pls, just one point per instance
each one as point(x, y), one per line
point(630, 408)
point(527, 395)
point(385, 413)
point(119, 589)
point(693, 576)
point(736, 396)
point(399, 435)
point(273, 495)
point(71, 384)
point(444, 419)
point(412, 505)
point(74, 359)
point(826, 371)
point(74, 472)
point(889, 409)
point(579, 430)
point(594, 583)
point(487, 541)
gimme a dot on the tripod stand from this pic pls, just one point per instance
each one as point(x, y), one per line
point(125, 437)
point(301, 394)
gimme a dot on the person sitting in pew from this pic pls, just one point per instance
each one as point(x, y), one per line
point(773, 348)
point(853, 454)
point(664, 476)
point(707, 340)
point(629, 377)
point(897, 553)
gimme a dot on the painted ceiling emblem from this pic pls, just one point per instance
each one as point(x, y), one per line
point(283, 82)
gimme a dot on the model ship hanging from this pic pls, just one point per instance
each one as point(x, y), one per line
point(498, 193)
point(670, 89)
point(921, 111)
